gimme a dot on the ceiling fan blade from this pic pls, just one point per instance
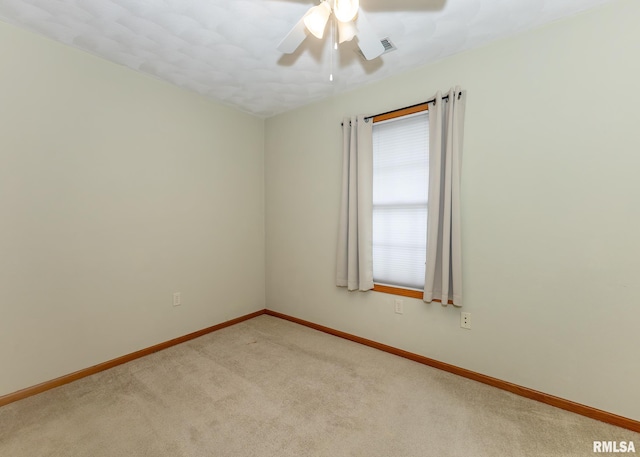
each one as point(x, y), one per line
point(403, 5)
point(368, 40)
point(294, 38)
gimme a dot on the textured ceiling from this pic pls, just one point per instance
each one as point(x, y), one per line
point(226, 49)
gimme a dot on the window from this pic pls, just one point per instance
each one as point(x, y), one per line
point(400, 194)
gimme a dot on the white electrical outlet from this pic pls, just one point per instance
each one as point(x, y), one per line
point(177, 299)
point(465, 320)
point(399, 306)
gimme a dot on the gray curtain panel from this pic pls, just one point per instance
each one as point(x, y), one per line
point(355, 259)
point(443, 276)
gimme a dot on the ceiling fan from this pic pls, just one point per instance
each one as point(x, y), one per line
point(350, 24)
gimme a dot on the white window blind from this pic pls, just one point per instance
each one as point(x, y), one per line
point(400, 192)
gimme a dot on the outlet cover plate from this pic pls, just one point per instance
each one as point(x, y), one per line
point(465, 320)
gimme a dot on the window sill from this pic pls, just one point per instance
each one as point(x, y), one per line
point(403, 292)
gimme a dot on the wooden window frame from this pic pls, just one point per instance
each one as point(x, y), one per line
point(394, 290)
point(411, 293)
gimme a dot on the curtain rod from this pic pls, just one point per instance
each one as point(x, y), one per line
point(444, 97)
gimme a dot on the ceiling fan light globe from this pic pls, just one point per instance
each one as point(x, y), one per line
point(346, 31)
point(345, 10)
point(316, 19)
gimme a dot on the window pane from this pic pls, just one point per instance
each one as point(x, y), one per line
point(399, 245)
point(400, 190)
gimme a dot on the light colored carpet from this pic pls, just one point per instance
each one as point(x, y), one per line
point(268, 387)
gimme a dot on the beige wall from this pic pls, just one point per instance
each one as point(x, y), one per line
point(117, 190)
point(550, 212)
